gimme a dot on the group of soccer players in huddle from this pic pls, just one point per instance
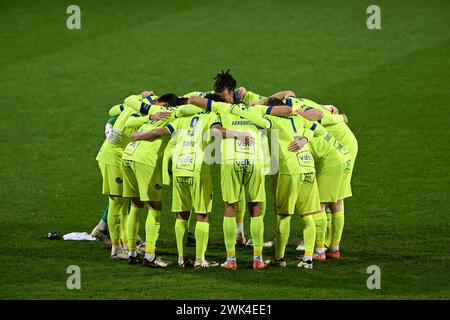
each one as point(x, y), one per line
point(306, 148)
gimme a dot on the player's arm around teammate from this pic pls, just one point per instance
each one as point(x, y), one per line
point(296, 187)
point(142, 182)
point(335, 169)
point(239, 170)
point(192, 187)
point(292, 142)
point(278, 95)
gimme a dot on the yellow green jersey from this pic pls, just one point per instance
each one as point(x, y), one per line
point(191, 135)
point(112, 153)
point(334, 123)
point(247, 99)
point(135, 102)
point(147, 151)
point(251, 97)
point(116, 110)
point(234, 149)
point(325, 147)
point(306, 104)
point(289, 129)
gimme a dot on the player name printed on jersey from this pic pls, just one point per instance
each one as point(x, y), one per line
point(241, 123)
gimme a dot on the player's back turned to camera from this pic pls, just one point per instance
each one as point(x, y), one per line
point(141, 165)
point(296, 186)
point(241, 169)
point(334, 182)
point(192, 185)
point(109, 160)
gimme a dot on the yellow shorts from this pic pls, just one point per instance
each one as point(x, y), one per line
point(141, 181)
point(192, 192)
point(332, 178)
point(351, 144)
point(297, 192)
point(112, 179)
point(239, 177)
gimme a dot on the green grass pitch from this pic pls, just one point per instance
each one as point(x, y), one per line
point(57, 84)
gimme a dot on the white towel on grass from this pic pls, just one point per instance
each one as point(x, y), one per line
point(79, 236)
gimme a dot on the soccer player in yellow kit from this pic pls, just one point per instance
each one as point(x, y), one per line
point(243, 168)
point(100, 229)
point(229, 94)
point(192, 186)
point(233, 96)
point(141, 181)
point(109, 159)
point(240, 168)
point(141, 165)
point(296, 187)
point(236, 96)
point(247, 97)
point(332, 162)
point(335, 168)
point(335, 176)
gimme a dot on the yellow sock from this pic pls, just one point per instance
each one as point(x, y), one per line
point(257, 231)
point(181, 232)
point(133, 226)
point(283, 230)
point(201, 239)
point(338, 227)
point(115, 203)
point(320, 220)
point(123, 222)
point(329, 232)
point(229, 233)
point(152, 225)
point(309, 234)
